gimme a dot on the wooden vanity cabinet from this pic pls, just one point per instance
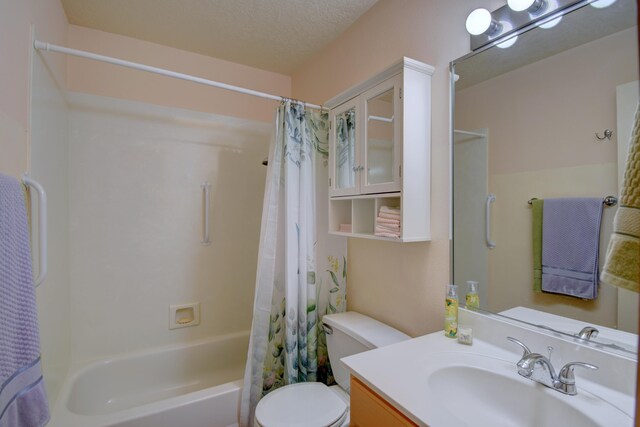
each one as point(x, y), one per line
point(368, 409)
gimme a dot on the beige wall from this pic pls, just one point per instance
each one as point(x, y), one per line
point(118, 82)
point(542, 144)
point(16, 18)
point(400, 284)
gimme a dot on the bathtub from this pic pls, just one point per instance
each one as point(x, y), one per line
point(197, 385)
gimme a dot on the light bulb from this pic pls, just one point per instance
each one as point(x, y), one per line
point(506, 26)
point(478, 21)
point(601, 4)
point(551, 23)
point(553, 4)
point(520, 5)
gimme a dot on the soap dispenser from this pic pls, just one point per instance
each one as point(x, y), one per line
point(451, 311)
point(473, 299)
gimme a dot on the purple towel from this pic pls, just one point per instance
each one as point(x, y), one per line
point(570, 243)
point(23, 401)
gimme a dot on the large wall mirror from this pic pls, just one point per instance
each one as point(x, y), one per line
point(525, 121)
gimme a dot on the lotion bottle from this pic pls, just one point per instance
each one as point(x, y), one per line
point(451, 311)
point(473, 300)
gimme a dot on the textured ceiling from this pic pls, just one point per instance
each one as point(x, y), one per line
point(276, 35)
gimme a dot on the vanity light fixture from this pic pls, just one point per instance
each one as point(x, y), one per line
point(480, 21)
point(502, 26)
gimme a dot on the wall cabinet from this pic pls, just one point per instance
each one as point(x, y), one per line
point(368, 409)
point(380, 154)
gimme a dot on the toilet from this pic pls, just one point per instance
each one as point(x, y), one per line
point(315, 404)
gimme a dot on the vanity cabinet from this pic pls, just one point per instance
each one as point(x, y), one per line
point(380, 153)
point(368, 409)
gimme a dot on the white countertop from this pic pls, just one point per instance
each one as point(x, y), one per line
point(391, 371)
point(399, 372)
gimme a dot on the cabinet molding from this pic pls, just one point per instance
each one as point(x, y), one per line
point(392, 70)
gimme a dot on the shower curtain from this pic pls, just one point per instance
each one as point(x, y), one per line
point(301, 271)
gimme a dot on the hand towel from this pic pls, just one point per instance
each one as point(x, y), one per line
point(622, 262)
point(23, 400)
point(536, 235)
point(570, 242)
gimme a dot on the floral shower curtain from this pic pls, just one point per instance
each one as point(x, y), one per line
point(301, 271)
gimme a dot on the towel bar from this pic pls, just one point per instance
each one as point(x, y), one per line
point(608, 201)
point(42, 229)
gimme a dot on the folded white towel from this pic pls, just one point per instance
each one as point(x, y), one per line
point(389, 209)
point(387, 227)
point(389, 215)
point(387, 221)
point(345, 228)
point(381, 234)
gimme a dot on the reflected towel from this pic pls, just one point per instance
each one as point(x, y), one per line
point(570, 243)
point(23, 401)
point(622, 263)
point(536, 237)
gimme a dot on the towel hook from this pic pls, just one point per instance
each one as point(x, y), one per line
point(608, 133)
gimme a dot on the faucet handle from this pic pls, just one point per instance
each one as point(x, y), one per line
point(567, 380)
point(525, 349)
point(587, 332)
point(566, 373)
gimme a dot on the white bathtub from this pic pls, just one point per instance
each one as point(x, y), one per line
point(197, 385)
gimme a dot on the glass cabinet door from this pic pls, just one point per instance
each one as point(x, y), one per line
point(381, 145)
point(345, 155)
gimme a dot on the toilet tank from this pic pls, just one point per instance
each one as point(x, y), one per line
point(351, 333)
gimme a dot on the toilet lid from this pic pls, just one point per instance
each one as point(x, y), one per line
point(300, 405)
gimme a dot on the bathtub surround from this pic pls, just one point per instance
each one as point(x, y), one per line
point(287, 344)
point(135, 174)
point(23, 399)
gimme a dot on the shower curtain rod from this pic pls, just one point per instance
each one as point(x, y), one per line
point(38, 45)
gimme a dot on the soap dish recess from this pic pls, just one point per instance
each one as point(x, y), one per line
point(183, 315)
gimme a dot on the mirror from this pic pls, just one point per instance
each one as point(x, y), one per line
point(345, 149)
point(380, 138)
point(525, 122)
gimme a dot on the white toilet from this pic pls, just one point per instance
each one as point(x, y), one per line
point(315, 404)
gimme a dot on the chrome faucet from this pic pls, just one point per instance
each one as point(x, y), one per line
point(537, 367)
point(587, 333)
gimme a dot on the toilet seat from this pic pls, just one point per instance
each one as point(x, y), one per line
point(301, 405)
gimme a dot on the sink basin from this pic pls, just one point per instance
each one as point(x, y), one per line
point(469, 389)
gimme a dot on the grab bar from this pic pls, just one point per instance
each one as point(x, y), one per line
point(206, 187)
point(490, 199)
point(42, 229)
